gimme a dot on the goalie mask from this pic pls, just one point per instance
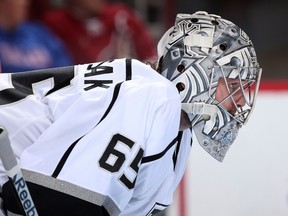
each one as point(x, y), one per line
point(213, 64)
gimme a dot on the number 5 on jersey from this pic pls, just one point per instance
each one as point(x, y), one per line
point(120, 159)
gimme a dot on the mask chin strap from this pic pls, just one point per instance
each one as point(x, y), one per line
point(199, 108)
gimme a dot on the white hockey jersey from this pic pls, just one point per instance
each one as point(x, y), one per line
point(96, 135)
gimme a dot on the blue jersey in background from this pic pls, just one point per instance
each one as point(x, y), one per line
point(31, 46)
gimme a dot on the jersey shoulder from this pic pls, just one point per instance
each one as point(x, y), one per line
point(158, 82)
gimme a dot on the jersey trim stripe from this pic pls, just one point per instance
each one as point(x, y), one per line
point(128, 69)
point(63, 159)
point(60, 195)
point(114, 98)
point(68, 188)
point(158, 207)
point(71, 147)
point(176, 152)
point(148, 159)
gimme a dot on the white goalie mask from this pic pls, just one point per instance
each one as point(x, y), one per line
point(213, 64)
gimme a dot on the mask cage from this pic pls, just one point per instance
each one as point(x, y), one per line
point(236, 84)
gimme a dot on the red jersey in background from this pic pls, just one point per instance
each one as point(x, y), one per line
point(116, 32)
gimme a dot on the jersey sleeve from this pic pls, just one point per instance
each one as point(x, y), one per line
point(23, 110)
point(154, 187)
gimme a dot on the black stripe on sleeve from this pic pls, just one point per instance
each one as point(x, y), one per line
point(161, 154)
point(128, 69)
point(64, 158)
point(176, 152)
point(69, 150)
point(114, 98)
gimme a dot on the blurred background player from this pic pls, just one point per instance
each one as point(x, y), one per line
point(96, 30)
point(26, 45)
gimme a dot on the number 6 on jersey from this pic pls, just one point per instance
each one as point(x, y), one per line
point(120, 159)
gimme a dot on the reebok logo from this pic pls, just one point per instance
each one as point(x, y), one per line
point(24, 195)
